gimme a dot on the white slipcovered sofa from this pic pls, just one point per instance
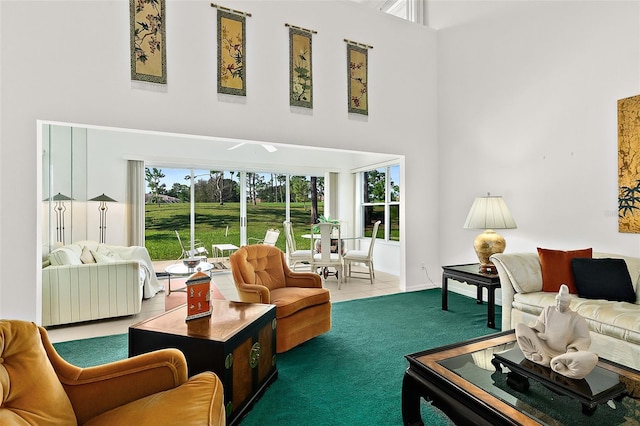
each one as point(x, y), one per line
point(614, 326)
point(86, 281)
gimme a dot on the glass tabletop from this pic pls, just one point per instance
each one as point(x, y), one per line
point(181, 269)
point(539, 402)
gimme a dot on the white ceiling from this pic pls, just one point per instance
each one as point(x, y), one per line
point(236, 154)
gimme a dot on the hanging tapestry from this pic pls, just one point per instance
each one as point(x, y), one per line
point(148, 44)
point(629, 165)
point(300, 75)
point(357, 68)
point(231, 49)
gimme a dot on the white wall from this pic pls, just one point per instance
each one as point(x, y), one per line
point(68, 61)
point(527, 110)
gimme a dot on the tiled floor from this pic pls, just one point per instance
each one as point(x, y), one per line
point(352, 288)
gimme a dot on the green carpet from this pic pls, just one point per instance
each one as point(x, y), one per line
point(352, 374)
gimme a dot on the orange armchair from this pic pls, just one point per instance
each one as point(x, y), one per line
point(38, 387)
point(303, 307)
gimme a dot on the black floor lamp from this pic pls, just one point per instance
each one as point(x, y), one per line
point(59, 208)
point(102, 208)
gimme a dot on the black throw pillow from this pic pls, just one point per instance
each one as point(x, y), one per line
point(603, 278)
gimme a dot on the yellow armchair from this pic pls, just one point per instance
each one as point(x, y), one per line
point(39, 387)
point(303, 306)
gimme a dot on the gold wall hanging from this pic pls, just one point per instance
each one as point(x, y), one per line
point(231, 51)
point(300, 70)
point(357, 69)
point(148, 41)
point(629, 165)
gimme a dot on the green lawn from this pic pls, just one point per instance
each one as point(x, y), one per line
point(212, 219)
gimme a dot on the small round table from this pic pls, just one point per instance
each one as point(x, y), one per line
point(180, 269)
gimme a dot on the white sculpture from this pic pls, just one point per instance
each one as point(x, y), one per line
point(559, 339)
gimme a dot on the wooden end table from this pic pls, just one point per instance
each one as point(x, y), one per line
point(470, 274)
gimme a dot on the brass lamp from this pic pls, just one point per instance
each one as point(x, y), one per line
point(489, 213)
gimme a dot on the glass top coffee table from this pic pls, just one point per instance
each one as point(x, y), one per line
point(180, 269)
point(461, 379)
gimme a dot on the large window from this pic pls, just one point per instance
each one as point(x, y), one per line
point(381, 201)
point(232, 207)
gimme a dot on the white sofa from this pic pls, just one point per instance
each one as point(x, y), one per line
point(614, 326)
point(86, 281)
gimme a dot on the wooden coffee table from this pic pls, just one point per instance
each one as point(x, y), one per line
point(461, 380)
point(237, 343)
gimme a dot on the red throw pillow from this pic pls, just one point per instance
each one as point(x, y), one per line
point(556, 268)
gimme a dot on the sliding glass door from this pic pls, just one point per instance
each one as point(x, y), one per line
point(225, 207)
point(266, 206)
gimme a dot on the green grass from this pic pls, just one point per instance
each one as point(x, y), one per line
point(211, 221)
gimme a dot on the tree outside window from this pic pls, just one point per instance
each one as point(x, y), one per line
point(381, 201)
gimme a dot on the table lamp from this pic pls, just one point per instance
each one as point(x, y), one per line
point(489, 213)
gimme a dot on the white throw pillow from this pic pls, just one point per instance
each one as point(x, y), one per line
point(102, 258)
point(64, 256)
point(86, 256)
point(104, 250)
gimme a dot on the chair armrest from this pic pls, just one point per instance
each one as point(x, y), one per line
point(302, 279)
point(95, 390)
point(253, 293)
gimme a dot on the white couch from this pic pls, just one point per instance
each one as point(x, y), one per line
point(86, 281)
point(614, 326)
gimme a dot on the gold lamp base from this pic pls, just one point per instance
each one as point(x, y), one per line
point(486, 244)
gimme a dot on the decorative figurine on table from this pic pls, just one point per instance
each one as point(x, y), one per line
point(559, 339)
point(198, 295)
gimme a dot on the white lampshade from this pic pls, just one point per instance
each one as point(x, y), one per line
point(489, 212)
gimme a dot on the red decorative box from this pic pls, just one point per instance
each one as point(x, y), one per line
point(198, 295)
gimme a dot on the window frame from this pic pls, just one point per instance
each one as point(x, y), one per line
point(387, 203)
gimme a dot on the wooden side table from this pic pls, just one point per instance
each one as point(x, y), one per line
point(470, 274)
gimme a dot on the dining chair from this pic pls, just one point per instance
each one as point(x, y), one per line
point(328, 249)
point(295, 256)
point(362, 256)
point(198, 249)
point(270, 238)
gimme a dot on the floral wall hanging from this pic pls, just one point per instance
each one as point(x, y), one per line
point(231, 52)
point(357, 69)
point(629, 165)
point(148, 41)
point(300, 72)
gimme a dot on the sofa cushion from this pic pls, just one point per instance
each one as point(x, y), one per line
point(103, 258)
point(603, 279)
point(289, 300)
point(184, 405)
point(29, 387)
point(86, 256)
point(556, 268)
point(620, 320)
point(67, 255)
